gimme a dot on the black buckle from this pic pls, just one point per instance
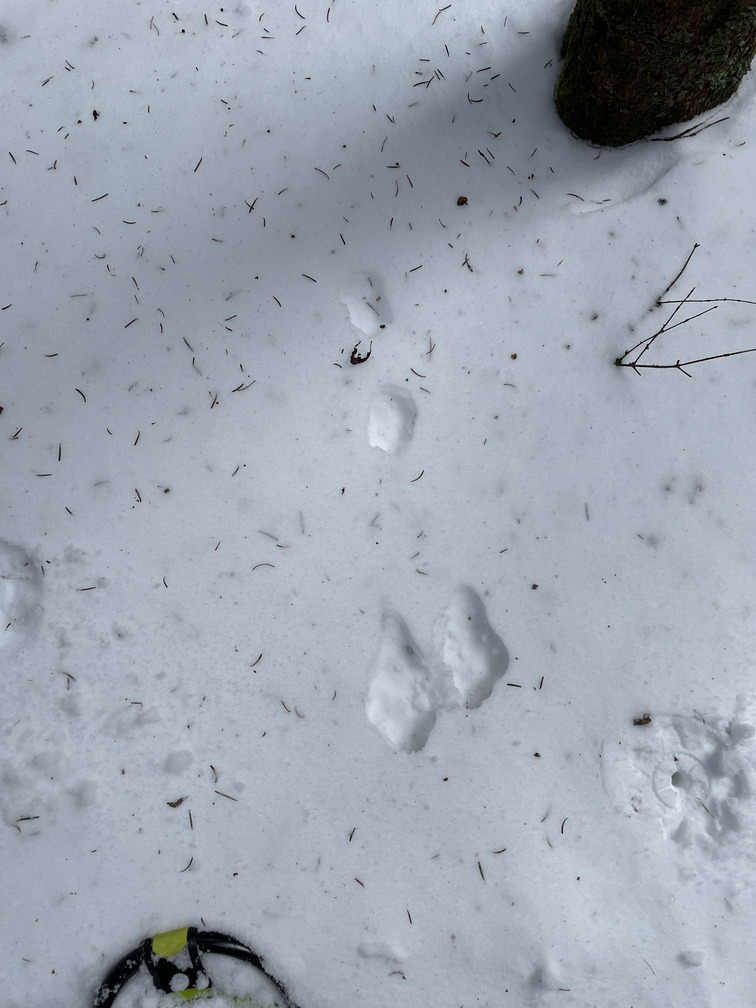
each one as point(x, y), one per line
point(175, 964)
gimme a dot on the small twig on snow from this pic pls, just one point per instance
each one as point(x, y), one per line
point(691, 131)
point(672, 284)
point(643, 345)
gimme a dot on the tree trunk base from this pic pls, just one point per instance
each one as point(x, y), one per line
point(632, 67)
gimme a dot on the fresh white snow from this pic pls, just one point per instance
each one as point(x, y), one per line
point(353, 602)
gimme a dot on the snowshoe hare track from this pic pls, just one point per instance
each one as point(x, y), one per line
point(407, 692)
point(472, 649)
point(402, 700)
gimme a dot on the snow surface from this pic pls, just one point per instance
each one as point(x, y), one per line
point(235, 565)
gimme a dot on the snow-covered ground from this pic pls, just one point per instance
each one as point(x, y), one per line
point(353, 601)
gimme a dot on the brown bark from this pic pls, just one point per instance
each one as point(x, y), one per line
point(632, 67)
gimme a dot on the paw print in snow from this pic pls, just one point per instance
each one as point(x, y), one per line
point(403, 698)
point(392, 420)
point(472, 649)
point(368, 310)
point(406, 692)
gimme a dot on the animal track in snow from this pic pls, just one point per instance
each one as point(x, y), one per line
point(406, 692)
point(382, 950)
point(697, 776)
point(472, 649)
point(20, 590)
point(392, 419)
point(403, 698)
point(368, 311)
